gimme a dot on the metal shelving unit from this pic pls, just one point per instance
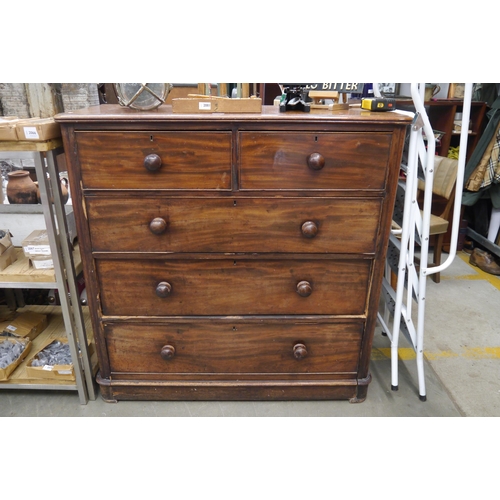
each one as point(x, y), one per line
point(44, 155)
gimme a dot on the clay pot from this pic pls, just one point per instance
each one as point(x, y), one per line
point(20, 188)
point(64, 191)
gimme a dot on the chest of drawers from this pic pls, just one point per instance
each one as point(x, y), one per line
point(233, 256)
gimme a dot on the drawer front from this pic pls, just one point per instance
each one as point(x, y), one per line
point(234, 348)
point(233, 287)
point(322, 161)
point(155, 160)
point(293, 225)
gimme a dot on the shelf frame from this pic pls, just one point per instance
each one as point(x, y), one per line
point(44, 156)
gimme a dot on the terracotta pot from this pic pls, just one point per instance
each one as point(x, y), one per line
point(20, 188)
point(64, 192)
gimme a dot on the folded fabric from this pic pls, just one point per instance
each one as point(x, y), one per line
point(488, 168)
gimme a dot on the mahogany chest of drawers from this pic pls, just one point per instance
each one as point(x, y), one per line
point(233, 256)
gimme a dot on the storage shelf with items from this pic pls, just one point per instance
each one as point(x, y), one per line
point(21, 378)
point(444, 117)
point(67, 320)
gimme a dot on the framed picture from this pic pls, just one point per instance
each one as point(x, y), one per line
point(389, 89)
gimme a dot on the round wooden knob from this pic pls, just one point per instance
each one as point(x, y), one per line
point(167, 352)
point(315, 161)
point(158, 225)
point(163, 289)
point(152, 162)
point(309, 229)
point(304, 288)
point(299, 351)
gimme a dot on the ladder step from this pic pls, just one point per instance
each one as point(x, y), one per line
point(389, 296)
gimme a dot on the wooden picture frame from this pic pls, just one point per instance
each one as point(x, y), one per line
point(388, 89)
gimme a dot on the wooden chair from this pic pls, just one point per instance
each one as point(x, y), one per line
point(443, 191)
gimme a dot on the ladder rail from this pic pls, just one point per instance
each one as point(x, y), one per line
point(414, 231)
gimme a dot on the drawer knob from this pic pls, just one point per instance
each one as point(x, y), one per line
point(163, 289)
point(309, 229)
point(158, 225)
point(304, 288)
point(167, 352)
point(152, 162)
point(299, 351)
point(315, 161)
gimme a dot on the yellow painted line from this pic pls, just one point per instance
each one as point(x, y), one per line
point(478, 274)
point(404, 353)
point(482, 352)
point(407, 353)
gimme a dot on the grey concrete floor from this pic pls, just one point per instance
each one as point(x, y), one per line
point(462, 369)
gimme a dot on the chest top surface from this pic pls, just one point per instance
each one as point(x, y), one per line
point(116, 114)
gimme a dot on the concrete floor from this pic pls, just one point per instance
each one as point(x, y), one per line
point(462, 369)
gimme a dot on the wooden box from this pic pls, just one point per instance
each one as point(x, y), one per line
point(216, 105)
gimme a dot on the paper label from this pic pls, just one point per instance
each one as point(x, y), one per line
point(37, 249)
point(48, 368)
point(31, 133)
point(64, 372)
point(205, 106)
point(11, 328)
point(43, 264)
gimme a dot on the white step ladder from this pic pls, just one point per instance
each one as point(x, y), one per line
point(414, 222)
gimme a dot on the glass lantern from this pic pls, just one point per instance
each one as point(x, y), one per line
point(142, 96)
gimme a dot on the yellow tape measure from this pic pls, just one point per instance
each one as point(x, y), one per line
point(378, 104)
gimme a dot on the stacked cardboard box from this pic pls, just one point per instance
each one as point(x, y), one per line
point(39, 365)
point(28, 129)
point(26, 325)
point(23, 347)
point(19, 332)
point(37, 248)
point(8, 253)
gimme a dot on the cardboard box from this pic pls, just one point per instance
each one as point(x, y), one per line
point(27, 324)
point(8, 130)
point(36, 244)
point(5, 241)
point(37, 129)
point(42, 263)
point(59, 372)
point(5, 372)
point(8, 257)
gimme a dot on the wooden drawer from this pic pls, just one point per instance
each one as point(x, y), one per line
point(186, 160)
point(279, 160)
point(293, 225)
point(238, 347)
point(233, 287)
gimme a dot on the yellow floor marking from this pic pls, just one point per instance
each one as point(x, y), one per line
point(407, 353)
point(481, 275)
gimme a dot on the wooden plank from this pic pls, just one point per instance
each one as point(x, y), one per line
point(43, 100)
point(31, 145)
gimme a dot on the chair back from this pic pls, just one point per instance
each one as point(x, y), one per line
point(445, 176)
